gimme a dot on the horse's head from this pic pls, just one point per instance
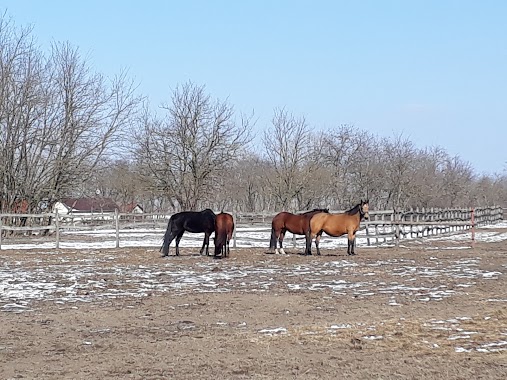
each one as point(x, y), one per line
point(364, 208)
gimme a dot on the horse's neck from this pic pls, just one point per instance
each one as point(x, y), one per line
point(354, 210)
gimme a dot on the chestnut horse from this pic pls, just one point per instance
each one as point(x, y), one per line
point(191, 221)
point(224, 226)
point(296, 223)
point(337, 225)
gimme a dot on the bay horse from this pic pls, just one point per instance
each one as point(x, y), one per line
point(337, 225)
point(224, 226)
point(295, 223)
point(191, 221)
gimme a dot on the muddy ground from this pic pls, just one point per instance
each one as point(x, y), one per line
point(421, 311)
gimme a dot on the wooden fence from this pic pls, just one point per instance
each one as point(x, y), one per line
point(383, 226)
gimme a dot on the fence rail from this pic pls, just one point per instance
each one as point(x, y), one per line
point(383, 226)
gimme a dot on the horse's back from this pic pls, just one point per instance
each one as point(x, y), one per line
point(295, 223)
point(279, 219)
point(224, 226)
point(331, 224)
point(317, 220)
point(224, 221)
point(194, 221)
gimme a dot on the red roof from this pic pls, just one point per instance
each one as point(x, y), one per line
point(90, 204)
point(129, 207)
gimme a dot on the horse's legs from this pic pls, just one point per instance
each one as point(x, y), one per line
point(352, 242)
point(308, 236)
point(170, 238)
point(317, 241)
point(280, 237)
point(178, 238)
point(205, 243)
point(223, 250)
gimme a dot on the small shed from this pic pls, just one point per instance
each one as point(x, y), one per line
point(133, 208)
point(85, 206)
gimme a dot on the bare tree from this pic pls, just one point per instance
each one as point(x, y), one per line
point(458, 178)
point(20, 68)
point(399, 157)
point(186, 154)
point(87, 118)
point(427, 180)
point(351, 156)
point(244, 186)
point(292, 152)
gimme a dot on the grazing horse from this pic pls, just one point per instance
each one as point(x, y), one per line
point(296, 223)
point(224, 226)
point(191, 221)
point(337, 225)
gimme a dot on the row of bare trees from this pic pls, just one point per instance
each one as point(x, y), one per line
point(66, 130)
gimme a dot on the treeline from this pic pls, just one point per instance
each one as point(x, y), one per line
point(66, 130)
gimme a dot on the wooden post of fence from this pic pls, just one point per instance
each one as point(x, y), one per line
point(367, 233)
point(417, 221)
point(397, 219)
point(57, 227)
point(411, 222)
point(294, 240)
point(0, 231)
point(117, 226)
point(473, 225)
point(235, 218)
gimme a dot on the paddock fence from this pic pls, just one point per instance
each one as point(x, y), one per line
point(252, 229)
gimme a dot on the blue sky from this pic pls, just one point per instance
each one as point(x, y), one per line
point(434, 71)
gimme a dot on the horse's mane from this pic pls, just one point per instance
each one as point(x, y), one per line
point(354, 210)
point(316, 210)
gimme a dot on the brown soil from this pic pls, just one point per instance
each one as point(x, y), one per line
point(417, 312)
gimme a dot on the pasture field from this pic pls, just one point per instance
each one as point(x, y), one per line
point(430, 309)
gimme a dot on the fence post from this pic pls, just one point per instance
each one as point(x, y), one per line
point(411, 222)
point(473, 225)
point(235, 217)
point(117, 226)
point(367, 234)
point(397, 234)
point(0, 231)
point(57, 227)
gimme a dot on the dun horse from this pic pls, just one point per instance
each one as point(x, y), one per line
point(337, 225)
point(191, 221)
point(295, 223)
point(224, 226)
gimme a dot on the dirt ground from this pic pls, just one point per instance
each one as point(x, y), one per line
point(421, 311)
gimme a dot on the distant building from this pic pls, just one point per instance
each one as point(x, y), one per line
point(132, 208)
point(85, 206)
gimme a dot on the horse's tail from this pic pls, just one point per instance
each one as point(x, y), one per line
point(272, 242)
point(167, 239)
point(220, 240)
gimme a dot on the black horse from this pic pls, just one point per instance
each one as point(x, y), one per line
point(191, 221)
